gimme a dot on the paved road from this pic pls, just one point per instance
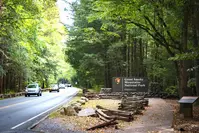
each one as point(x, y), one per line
point(17, 114)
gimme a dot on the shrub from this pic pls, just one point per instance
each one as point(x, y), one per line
point(171, 90)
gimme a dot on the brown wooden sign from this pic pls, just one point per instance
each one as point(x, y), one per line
point(130, 84)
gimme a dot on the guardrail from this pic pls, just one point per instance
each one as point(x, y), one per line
point(3, 96)
point(11, 95)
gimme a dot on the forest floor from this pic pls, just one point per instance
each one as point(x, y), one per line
point(190, 125)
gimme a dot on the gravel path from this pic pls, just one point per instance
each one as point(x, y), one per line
point(157, 118)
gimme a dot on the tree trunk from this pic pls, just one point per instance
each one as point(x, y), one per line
point(127, 59)
point(130, 56)
point(195, 30)
point(135, 57)
point(182, 66)
point(1, 84)
point(183, 79)
point(197, 76)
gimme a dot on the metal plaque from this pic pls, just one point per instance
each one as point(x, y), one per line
point(188, 99)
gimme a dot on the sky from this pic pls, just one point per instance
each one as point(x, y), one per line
point(65, 11)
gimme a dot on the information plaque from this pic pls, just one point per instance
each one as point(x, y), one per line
point(188, 99)
point(186, 105)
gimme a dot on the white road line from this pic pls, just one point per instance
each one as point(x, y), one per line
point(38, 115)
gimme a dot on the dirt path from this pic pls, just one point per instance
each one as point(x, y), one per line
point(158, 117)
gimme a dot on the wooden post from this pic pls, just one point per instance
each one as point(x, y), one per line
point(186, 109)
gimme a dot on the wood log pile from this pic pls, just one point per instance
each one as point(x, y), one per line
point(110, 116)
point(134, 104)
point(128, 107)
point(91, 95)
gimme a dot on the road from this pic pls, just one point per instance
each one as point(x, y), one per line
point(17, 114)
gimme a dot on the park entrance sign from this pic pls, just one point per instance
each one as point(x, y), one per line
point(129, 84)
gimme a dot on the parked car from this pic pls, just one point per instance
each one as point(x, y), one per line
point(54, 87)
point(33, 89)
point(68, 85)
point(61, 86)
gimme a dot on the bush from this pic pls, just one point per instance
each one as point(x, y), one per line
point(172, 90)
point(97, 88)
point(191, 83)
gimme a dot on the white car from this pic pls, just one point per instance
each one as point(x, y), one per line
point(61, 86)
point(68, 85)
point(33, 89)
point(54, 87)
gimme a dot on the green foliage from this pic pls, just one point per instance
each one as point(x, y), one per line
point(31, 43)
point(192, 83)
point(185, 56)
point(171, 90)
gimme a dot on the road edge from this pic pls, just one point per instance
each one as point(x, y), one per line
point(31, 128)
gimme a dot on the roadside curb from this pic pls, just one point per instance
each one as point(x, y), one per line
point(45, 117)
point(31, 128)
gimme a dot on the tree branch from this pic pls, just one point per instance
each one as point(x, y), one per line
point(166, 44)
point(156, 38)
point(4, 54)
point(168, 32)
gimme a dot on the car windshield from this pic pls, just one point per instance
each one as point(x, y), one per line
point(53, 85)
point(31, 86)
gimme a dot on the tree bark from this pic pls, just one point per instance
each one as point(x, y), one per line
point(195, 30)
point(183, 79)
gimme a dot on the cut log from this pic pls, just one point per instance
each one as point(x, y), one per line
point(115, 112)
point(99, 112)
point(119, 111)
point(111, 122)
point(104, 116)
point(84, 98)
point(82, 101)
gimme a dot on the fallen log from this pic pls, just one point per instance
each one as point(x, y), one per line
point(106, 123)
point(104, 116)
point(117, 111)
point(99, 112)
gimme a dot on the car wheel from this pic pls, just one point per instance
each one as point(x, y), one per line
point(25, 95)
point(28, 95)
point(40, 94)
point(50, 91)
point(58, 91)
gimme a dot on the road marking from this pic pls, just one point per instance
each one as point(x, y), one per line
point(4, 107)
point(41, 113)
